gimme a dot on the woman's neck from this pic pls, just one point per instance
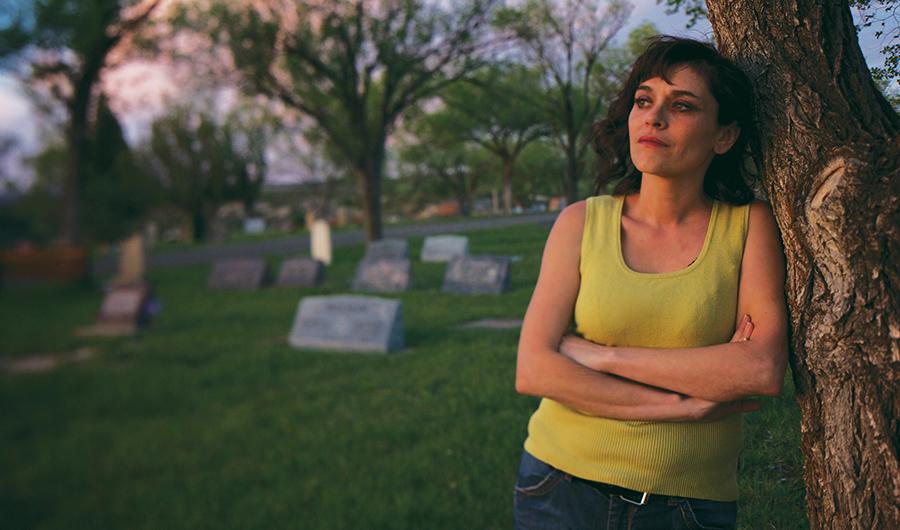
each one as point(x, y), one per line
point(667, 202)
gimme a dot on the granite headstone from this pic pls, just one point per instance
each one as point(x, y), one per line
point(348, 323)
point(300, 272)
point(383, 275)
point(238, 273)
point(477, 275)
point(444, 248)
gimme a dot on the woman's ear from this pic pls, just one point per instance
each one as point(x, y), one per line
point(728, 134)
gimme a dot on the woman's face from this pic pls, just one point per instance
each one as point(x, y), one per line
point(673, 128)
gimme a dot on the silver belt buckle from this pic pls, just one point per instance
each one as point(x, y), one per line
point(644, 497)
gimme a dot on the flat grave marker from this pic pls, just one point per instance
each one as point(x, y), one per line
point(238, 273)
point(477, 275)
point(300, 272)
point(124, 309)
point(444, 248)
point(348, 323)
point(382, 275)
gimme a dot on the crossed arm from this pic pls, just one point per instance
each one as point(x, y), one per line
point(686, 384)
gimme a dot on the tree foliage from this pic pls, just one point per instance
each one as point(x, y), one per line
point(567, 40)
point(881, 14)
point(60, 48)
point(437, 166)
point(201, 163)
point(352, 67)
point(498, 110)
point(119, 195)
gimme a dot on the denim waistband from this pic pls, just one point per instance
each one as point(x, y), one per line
point(627, 494)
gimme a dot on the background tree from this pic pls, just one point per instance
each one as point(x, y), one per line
point(831, 167)
point(500, 110)
point(438, 165)
point(119, 194)
point(201, 163)
point(566, 41)
point(64, 45)
point(353, 67)
point(883, 17)
point(303, 152)
point(540, 160)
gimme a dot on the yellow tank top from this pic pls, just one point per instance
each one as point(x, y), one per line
point(617, 306)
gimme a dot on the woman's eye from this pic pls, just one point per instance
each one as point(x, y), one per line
point(682, 106)
point(641, 102)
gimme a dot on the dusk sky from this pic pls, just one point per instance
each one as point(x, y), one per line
point(143, 95)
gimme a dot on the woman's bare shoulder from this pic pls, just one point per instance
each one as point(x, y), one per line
point(572, 217)
point(762, 218)
point(565, 236)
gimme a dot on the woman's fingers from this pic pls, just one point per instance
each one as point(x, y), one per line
point(744, 330)
point(710, 410)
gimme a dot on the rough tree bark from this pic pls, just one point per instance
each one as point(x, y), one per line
point(831, 162)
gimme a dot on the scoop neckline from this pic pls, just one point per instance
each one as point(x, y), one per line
point(696, 263)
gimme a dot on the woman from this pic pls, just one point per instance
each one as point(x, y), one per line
point(675, 283)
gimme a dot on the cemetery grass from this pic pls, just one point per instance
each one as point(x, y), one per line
point(209, 419)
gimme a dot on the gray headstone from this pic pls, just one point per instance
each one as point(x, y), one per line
point(300, 272)
point(477, 275)
point(238, 273)
point(254, 225)
point(387, 248)
point(444, 248)
point(383, 275)
point(348, 323)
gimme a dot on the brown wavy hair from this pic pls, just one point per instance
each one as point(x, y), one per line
point(728, 175)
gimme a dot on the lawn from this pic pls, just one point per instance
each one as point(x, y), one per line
point(209, 419)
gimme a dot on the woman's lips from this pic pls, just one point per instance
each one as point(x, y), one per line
point(650, 140)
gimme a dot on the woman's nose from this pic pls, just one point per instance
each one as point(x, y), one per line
point(654, 118)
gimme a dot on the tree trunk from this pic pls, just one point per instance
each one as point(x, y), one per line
point(198, 224)
point(370, 183)
point(69, 206)
point(830, 165)
point(464, 203)
point(507, 185)
point(76, 154)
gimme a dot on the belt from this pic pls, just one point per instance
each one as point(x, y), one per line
point(638, 498)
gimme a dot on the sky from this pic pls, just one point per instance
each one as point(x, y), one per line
point(145, 91)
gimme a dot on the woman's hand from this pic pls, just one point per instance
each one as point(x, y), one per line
point(583, 351)
point(593, 355)
point(743, 330)
point(704, 410)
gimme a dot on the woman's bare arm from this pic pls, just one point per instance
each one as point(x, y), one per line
point(542, 371)
point(722, 372)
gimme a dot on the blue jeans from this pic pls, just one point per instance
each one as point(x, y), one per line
point(549, 499)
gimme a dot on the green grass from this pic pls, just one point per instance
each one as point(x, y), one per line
point(209, 419)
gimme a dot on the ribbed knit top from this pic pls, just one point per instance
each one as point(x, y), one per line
point(617, 306)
